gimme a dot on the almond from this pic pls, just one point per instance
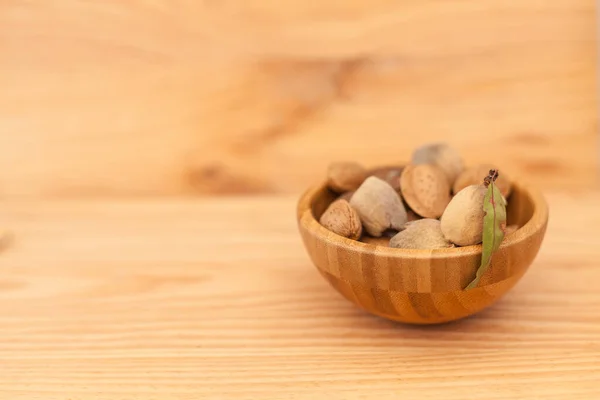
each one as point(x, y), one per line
point(345, 176)
point(474, 176)
point(342, 219)
point(422, 234)
point(441, 155)
point(462, 221)
point(425, 189)
point(379, 206)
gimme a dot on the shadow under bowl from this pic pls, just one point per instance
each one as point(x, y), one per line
point(422, 286)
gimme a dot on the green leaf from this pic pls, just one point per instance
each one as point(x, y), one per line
point(494, 224)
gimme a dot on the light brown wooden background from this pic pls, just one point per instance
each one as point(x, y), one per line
point(109, 297)
point(246, 96)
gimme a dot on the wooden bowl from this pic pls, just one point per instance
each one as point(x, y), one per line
point(422, 286)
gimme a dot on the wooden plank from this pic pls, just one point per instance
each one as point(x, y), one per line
point(217, 299)
point(177, 97)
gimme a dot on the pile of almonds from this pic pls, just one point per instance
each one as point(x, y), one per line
point(433, 202)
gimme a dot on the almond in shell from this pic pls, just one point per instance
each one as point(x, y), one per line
point(345, 176)
point(379, 206)
point(425, 189)
point(342, 219)
point(422, 234)
point(442, 155)
point(462, 221)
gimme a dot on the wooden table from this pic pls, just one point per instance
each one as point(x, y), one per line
point(216, 299)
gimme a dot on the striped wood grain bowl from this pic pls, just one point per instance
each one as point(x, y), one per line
point(422, 286)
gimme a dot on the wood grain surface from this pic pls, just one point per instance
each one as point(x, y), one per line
point(217, 299)
point(237, 96)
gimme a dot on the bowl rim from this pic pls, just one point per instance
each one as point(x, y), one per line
point(307, 220)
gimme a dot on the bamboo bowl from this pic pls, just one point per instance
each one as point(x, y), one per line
point(422, 286)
